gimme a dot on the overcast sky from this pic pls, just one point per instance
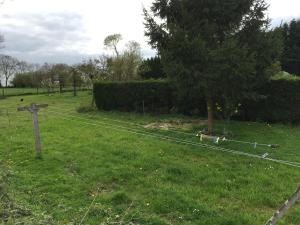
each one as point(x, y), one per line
point(69, 30)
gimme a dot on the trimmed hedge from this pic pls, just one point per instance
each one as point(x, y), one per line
point(152, 95)
point(281, 102)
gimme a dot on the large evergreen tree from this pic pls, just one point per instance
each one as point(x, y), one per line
point(152, 68)
point(220, 48)
point(291, 54)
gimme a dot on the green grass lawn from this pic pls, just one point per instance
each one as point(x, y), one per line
point(98, 169)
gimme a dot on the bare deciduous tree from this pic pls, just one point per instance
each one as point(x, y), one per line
point(93, 70)
point(8, 67)
point(132, 58)
point(112, 41)
point(1, 46)
point(61, 75)
point(125, 66)
point(23, 67)
point(1, 41)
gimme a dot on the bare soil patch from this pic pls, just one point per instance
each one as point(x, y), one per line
point(176, 124)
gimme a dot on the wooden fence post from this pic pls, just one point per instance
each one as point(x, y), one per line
point(33, 109)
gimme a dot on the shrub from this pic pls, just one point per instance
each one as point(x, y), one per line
point(152, 69)
point(23, 80)
point(85, 109)
point(285, 76)
point(150, 95)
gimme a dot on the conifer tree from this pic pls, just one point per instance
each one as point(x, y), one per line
point(220, 48)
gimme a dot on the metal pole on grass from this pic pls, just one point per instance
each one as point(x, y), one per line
point(282, 211)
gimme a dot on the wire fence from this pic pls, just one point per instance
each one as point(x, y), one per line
point(139, 132)
point(188, 134)
point(253, 143)
point(8, 92)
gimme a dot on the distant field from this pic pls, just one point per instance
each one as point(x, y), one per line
point(29, 91)
point(106, 168)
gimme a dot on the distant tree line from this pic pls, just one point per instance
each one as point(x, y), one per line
point(46, 76)
point(121, 65)
point(206, 48)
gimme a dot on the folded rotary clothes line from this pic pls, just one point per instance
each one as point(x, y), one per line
point(218, 140)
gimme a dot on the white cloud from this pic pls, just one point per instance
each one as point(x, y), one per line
point(51, 27)
point(54, 30)
point(286, 8)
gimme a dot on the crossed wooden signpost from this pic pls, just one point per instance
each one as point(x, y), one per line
point(33, 109)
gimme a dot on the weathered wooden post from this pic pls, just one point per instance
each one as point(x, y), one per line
point(34, 108)
point(281, 212)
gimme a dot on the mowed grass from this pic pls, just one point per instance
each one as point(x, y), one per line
point(93, 171)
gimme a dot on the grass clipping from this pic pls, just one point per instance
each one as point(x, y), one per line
point(176, 124)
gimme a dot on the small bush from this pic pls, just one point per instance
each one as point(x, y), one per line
point(85, 109)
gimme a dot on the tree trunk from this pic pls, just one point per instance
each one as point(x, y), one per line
point(210, 114)
point(6, 82)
